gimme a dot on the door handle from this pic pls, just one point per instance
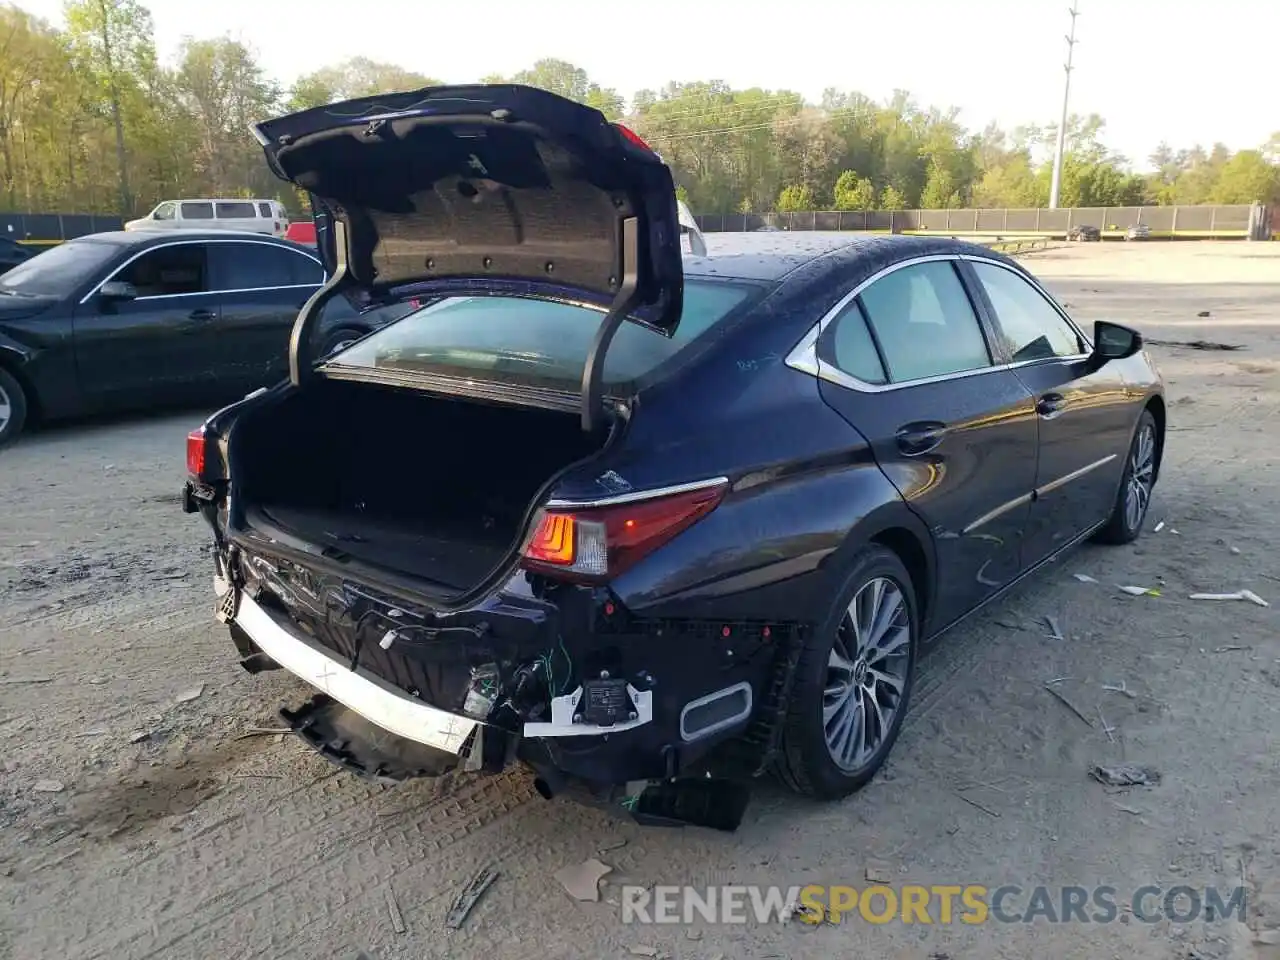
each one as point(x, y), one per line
point(917, 438)
point(203, 315)
point(1051, 404)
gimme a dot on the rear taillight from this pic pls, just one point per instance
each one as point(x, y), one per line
point(599, 542)
point(197, 448)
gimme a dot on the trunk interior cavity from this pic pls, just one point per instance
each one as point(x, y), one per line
point(434, 488)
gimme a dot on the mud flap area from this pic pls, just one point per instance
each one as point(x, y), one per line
point(348, 740)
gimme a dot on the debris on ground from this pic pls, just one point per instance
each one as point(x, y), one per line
point(1159, 526)
point(613, 845)
point(582, 880)
point(641, 950)
point(138, 736)
point(186, 696)
point(1231, 648)
point(1106, 727)
point(878, 874)
point(1125, 775)
point(1141, 591)
point(1238, 595)
point(1204, 313)
point(1085, 578)
point(1234, 551)
point(1121, 687)
point(800, 911)
point(16, 680)
point(1054, 632)
point(465, 902)
point(978, 806)
point(48, 786)
point(1067, 703)
point(97, 681)
point(1196, 344)
point(262, 732)
point(393, 908)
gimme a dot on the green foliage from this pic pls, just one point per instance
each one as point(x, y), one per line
point(796, 197)
point(854, 192)
point(90, 121)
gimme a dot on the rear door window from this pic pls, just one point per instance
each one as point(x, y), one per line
point(256, 266)
point(264, 210)
point(518, 338)
point(169, 271)
point(235, 211)
point(924, 323)
point(195, 210)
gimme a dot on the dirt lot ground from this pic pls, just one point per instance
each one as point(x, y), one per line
point(136, 822)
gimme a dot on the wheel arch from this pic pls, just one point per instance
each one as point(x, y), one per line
point(1156, 406)
point(11, 361)
point(897, 528)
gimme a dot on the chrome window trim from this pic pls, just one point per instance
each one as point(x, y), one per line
point(639, 495)
point(206, 293)
point(804, 355)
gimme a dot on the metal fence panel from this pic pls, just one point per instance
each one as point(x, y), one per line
point(1222, 220)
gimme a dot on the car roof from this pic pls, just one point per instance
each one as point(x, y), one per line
point(773, 256)
point(142, 238)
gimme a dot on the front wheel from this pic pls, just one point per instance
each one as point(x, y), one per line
point(1133, 500)
point(13, 407)
point(853, 682)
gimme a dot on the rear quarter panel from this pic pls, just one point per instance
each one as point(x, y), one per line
point(802, 482)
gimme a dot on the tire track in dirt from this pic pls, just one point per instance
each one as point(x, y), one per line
point(322, 832)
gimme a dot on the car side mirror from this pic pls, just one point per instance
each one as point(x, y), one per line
point(1112, 341)
point(118, 290)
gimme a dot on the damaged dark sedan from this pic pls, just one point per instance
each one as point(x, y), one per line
point(651, 525)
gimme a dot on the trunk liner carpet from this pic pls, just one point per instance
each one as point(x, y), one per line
point(449, 552)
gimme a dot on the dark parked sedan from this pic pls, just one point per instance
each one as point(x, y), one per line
point(13, 253)
point(650, 527)
point(119, 320)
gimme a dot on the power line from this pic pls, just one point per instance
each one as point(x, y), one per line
point(1056, 183)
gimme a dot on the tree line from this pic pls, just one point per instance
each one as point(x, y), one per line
point(91, 121)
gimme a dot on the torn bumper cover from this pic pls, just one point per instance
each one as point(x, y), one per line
point(593, 714)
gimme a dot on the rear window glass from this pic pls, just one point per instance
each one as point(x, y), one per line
point(264, 209)
point(514, 337)
point(236, 211)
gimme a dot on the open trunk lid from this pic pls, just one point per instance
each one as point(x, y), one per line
point(485, 189)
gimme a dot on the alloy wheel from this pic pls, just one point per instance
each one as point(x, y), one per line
point(6, 409)
point(866, 673)
point(1142, 471)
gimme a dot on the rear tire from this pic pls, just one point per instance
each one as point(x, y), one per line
point(1133, 499)
point(852, 686)
point(339, 340)
point(13, 407)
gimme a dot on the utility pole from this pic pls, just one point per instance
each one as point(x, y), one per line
point(1056, 182)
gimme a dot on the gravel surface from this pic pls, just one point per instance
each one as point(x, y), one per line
point(136, 821)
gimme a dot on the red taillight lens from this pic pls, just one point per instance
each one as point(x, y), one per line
point(634, 137)
point(196, 443)
point(597, 543)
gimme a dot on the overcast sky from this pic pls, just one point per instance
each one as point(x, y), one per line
point(1185, 71)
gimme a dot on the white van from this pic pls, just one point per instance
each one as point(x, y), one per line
point(255, 216)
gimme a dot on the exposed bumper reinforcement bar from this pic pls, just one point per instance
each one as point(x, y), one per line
point(368, 695)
